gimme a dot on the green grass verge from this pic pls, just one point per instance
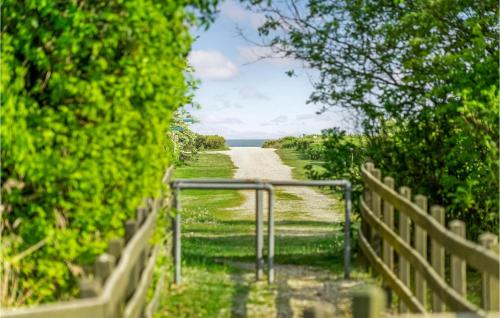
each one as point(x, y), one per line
point(293, 159)
point(297, 162)
point(283, 195)
point(208, 289)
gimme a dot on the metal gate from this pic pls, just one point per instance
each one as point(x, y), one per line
point(260, 186)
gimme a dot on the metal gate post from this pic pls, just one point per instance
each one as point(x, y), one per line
point(267, 185)
point(178, 185)
point(347, 230)
point(270, 224)
point(177, 237)
point(259, 234)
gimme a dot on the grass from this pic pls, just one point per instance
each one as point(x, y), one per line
point(294, 159)
point(208, 289)
point(216, 240)
point(297, 162)
point(283, 195)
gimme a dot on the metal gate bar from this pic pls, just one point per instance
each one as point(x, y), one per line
point(345, 184)
point(180, 184)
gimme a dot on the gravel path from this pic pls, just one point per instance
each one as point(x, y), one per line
point(297, 287)
point(264, 163)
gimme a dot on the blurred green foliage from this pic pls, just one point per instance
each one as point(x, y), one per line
point(88, 90)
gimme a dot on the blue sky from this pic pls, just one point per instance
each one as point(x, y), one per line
point(241, 97)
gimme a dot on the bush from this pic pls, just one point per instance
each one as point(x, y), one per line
point(88, 90)
point(210, 142)
point(342, 156)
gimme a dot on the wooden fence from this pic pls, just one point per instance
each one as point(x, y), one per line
point(407, 243)
point(122, 276)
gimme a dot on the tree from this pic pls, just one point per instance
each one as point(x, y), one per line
point(423, 75)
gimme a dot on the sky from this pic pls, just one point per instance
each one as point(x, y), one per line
point(245, 97)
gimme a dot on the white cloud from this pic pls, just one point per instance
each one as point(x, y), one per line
point(234, 11)
point(280, 120)
point(211, 64)
point(251, 54)
point(314, 117)
point(220, 102)
point(248, 92)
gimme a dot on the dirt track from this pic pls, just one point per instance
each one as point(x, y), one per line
point(264, 163)
point(297, 287)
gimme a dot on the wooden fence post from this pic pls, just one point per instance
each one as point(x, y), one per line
point(489, 283)
point(421, 247)
point(376, 208)
point(104, 266)
point(130, 230)
point(404, 233)
point(115, 248)
point(368, 303)
point(458, 266)
point(365, 228)
point(141, 214)
point(89, 288)
point(437, 258)
point(388, 251)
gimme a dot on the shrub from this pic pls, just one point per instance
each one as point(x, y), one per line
point(88, 90)
point(210, 142)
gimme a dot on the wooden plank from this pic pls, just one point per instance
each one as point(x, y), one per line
point(168, 175)
point(437, 258)
point(131, 227)
point(153, 304)
point(451, 315)
point(404, 233)
point(438, 285)
point(376, 208)
point(458, 265)
point(115, 248)
point(368, 303)
point(389, 221)
point(81, 308)
point(110, 301)
point(398, 286)
point(387, 250)
point(140, 214)
point(114, 291)
point(368, 199)
point(103, 267)
point(475, 255)
point(421, 248)
point(89, 288)
point(137, 304)
point(489, 283)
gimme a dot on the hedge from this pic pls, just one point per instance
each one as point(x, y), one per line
point(88, 91)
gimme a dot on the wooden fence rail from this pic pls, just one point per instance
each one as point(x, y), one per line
point(122, 276)
point(396, 228)
point(370, 302)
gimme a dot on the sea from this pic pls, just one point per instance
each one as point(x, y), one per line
point(245, 142)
